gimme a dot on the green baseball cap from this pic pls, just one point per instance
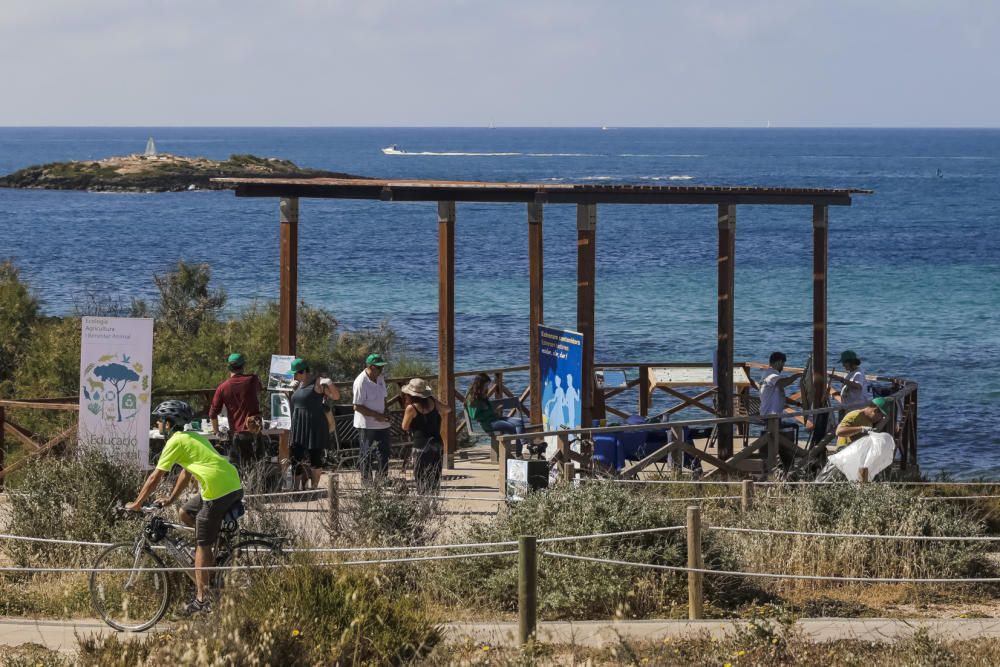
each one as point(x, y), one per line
point(849, 355)
point(882, 404)
point(375, 359)
point(299, 365)
point(236, 358)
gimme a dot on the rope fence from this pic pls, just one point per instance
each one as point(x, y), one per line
point(268, 566)
point(527, 553)
point(773, 575)
point(872, 536)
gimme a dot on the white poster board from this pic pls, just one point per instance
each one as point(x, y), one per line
point(116, 368)
point(279, 377)
point(281, 412)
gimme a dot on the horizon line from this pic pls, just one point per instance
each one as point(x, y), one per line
point(513, 127)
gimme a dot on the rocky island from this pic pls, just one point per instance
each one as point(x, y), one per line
point(156, 172)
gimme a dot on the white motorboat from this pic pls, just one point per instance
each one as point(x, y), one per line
point(393, 149)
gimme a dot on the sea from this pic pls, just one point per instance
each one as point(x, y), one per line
point(914, 284)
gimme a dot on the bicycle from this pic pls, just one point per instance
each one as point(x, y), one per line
point(133, 591)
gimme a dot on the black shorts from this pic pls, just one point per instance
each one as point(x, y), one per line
point(315, 457)
point(209, 515)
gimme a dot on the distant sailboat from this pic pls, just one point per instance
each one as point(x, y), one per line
point(150, 148)
point(492, 126)
point(768, 124)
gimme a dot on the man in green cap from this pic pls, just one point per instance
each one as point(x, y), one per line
point(371, 418)
point(240, 396)
point(858, 423)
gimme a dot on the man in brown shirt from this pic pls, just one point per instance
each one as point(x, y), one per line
point(240, 396)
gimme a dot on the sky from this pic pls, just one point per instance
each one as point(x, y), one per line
point(648, 63)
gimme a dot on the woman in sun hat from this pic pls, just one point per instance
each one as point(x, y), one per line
point(422, 421)
point(854, 392)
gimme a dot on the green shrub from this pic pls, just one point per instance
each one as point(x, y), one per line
point(19, 311)
point(303, 616)
point(583, 590)
point(385, 515)
point(72, 499)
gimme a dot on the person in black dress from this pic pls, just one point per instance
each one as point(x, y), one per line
point(310, 433)
point(422, 421)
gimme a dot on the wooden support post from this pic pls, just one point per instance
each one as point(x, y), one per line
point(567, 459)
point(863, 475)
point(334, 502)
point(288, 213)
point(726, 326)
point(746, 498)
point(773, 435)
point(676, 457)
point(644, 395)
point(527, 588)
point(695, 579)
point(536, 307)
point(503, 453)
point(446, 327)
point(916, 429)
point(3, 443)
point(820, 235)
point(586, 276)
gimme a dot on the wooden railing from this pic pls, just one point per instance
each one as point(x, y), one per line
point(901, 423)
point(512, 382)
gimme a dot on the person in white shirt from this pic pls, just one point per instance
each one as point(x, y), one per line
point(772, 402)
point(773, 385)
point(855, 392)
point(371, 419)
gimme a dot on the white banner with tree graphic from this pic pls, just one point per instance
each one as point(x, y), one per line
point(116, 363)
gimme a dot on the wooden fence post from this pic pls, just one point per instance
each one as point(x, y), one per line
point(334, 502)
point(527, 587)
point(567, 463)
point(746, 499)
point(863, 475)
point(695, 579)
point(773, 434)
point(503, 449)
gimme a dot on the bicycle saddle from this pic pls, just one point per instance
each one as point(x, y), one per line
point(235, 512)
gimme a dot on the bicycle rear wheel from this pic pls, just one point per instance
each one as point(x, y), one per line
point(250, 560)
point(136, 598)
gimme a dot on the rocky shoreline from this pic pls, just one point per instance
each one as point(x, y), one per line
point(157, 173)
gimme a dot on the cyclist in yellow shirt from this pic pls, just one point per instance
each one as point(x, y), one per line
point(219, 485)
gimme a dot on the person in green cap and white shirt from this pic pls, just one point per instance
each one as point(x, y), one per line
point(858, 423)
point(855, 392)
point(371, 418)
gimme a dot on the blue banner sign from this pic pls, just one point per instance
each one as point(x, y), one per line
point(561, 363)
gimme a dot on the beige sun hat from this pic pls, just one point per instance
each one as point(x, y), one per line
point(417, 387)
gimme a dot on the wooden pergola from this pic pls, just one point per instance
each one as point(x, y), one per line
point(586, 198)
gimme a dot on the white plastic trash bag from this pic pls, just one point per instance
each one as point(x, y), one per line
point(875, 451)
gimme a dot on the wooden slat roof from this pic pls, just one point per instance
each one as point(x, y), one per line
point(551, 193)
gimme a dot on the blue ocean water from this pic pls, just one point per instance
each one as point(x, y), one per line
point(915, 267)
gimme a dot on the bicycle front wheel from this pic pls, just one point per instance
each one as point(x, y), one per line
point(135, 595)
point(251, 560)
